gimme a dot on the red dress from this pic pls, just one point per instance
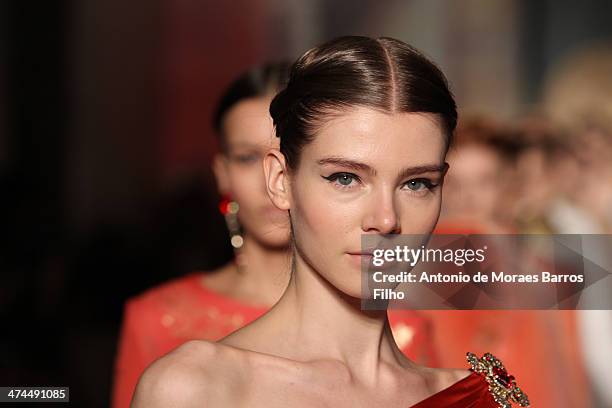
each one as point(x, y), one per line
point(166, 316)
point(470, 392)
point(488, 386)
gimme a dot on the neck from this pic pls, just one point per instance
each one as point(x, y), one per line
point(262, 271)
point(327, 324)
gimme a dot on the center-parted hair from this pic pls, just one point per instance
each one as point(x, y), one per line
point(384, 74)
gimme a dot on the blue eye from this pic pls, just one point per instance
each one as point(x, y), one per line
point(345, 179)
point(419, 184)
point(342, 179)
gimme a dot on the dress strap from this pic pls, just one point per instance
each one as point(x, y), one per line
point(502, 385)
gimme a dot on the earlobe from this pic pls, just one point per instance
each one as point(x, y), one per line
point(277, 184)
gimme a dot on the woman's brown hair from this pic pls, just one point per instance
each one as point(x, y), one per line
point(385, 74)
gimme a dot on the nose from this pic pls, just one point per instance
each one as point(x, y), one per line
point(382, 216)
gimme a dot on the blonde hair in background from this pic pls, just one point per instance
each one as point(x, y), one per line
point(578, 91)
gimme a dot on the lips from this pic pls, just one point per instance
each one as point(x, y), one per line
point(360, 257)
point(363, 250)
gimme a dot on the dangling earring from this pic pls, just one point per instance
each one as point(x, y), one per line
point(229, 208)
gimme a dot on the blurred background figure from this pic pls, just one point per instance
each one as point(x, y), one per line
point(211, 305)
point(495, 168)
point(480, 186)
point(547, 171)
point(578, 98)
point(106, 152)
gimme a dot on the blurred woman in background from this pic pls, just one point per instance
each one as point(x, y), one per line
point(504, 179)
point(478, 191)
point(213, 304)
point(578, 99)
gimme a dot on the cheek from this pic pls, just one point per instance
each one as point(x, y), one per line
point(313, 215)
point(246, 184)
point(322, 227)
point(247, 188)
point(324, 214)
point(419, 216)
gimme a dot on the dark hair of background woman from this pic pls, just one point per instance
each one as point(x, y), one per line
point(262, 80)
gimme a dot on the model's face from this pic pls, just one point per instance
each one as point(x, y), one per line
point(249, 134)
point(365, 172)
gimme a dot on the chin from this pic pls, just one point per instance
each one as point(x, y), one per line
point(352, 292)
point(350, 285)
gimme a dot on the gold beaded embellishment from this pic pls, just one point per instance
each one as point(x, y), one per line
point(501, 385)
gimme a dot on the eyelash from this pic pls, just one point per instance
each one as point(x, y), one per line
point(333, 178)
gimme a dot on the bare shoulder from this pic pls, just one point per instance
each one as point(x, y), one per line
point(198, 373)
point(447, 377)
point(442, 378)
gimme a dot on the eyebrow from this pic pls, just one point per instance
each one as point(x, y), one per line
point(426, 168)
point(405, 172)
point(343, 162)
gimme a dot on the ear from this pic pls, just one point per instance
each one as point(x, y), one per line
point(220, 170)
point(277, 180)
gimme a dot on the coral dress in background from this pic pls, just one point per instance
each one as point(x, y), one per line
point(183, 309)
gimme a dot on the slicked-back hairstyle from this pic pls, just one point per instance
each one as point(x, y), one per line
point(384, 74)
point(266, 79)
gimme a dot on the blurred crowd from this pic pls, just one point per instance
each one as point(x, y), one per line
point(62, 292)
point(550, 172)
